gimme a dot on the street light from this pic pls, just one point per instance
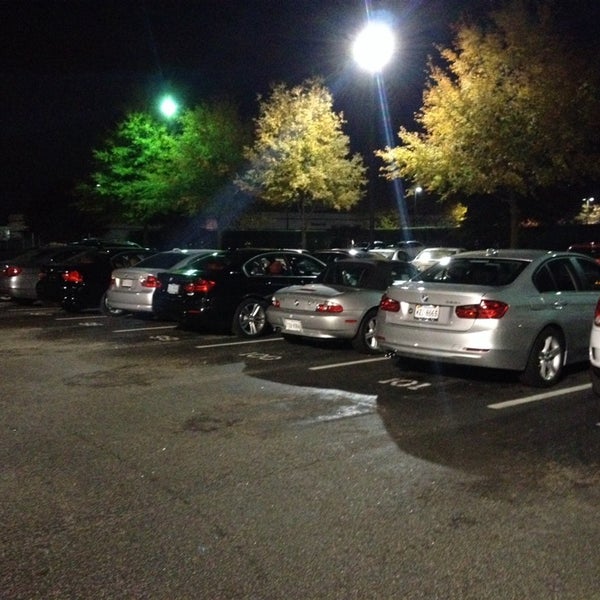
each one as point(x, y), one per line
point(372, 50)
point(168, 107)
point(417, 191)
point(587, 209)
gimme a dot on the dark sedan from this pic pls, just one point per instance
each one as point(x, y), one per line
point(231, 289)
point(80, 281)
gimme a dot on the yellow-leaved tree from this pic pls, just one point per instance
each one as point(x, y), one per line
point(513, 111)
point(300, 157)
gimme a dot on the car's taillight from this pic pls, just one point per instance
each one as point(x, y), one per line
point(199, 286)
point(275, 302)
point(151, 282)
point(11, 271)
point(597, 314)
point(389, 304)
point(72, 277)
point(486, 309)
point(329, 307)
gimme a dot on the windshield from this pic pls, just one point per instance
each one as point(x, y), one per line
point(474, 271)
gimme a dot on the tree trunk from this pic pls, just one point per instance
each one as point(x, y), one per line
point(515, 219)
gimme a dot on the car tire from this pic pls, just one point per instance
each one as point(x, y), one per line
point(364, 341)
point(250, 318)
point(546, 359)
point(106, 308)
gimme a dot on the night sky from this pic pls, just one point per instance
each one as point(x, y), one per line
point(71, 70)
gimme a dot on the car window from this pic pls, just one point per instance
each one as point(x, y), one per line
point(474, 271)
point(303, 265)
point(556, 276)
point(590, 274)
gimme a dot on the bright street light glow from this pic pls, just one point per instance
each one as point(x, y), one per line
point(374, 46)
point(168, 106)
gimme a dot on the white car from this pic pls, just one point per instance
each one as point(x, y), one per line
point(595, 351)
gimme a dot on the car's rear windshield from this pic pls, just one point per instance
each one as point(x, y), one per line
point(163, 260)
point(474, 271)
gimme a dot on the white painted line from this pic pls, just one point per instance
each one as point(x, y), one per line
point(538, 397)
point(80, 318)
point(145, 328)
point(240, 343)
point(348, 364)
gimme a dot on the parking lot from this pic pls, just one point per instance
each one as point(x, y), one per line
point(144, 461)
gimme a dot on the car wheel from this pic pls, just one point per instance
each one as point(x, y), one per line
point(595, 377)
point(545, 364)
point(250, 319)
point(107, 309)
point(364, 341)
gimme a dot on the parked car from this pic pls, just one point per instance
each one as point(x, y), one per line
point(594, 351)
point(591, 249)
point(80, 281)
point(333, 254)
point(131, 287)
point(231, 289)
point(19, 275)
point(521, 310)
point(429, 256)
point(403, 250)
point(341, 303)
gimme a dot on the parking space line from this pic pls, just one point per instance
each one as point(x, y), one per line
point(144, 328)
point(80, 318)
point(348, 364)
point(538, 397)
point(239, 343)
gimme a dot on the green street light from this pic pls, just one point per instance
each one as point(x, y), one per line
point(168, 106)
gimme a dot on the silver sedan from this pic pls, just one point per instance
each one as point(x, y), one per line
point(521, 310)
point(342, 302)
point(131, 288)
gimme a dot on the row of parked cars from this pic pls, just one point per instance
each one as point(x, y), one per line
point(522, 310)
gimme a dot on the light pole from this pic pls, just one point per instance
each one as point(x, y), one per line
point(372, 50)
point(417, 191)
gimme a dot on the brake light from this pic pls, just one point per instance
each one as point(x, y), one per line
point(597, 314)
point(329, 307)
point(151, 282)
point(389, 304)
point(486, 309)
point(199, 286)
point(11, 271)
point(72, 277)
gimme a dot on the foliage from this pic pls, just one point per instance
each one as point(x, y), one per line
point(300, 156)
point(134, 169)
point(514, 111)
point(207, 154)
point(147, 169)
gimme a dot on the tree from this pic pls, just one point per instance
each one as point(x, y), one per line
point(134, 169)
point(147, 170)
point(207, 154)
point(513, 112)
point(300, 156)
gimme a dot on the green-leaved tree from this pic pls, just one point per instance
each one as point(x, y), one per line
point(513, 111)
point(300, 156)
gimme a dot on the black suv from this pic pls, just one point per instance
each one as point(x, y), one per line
point(231, 289)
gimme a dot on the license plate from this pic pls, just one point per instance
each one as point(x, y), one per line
point(173, 288)
point(126, 282)
point(292, 325)
point(427, 312)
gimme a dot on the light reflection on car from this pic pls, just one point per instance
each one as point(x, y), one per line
point(522, 310)
point(341, 304)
